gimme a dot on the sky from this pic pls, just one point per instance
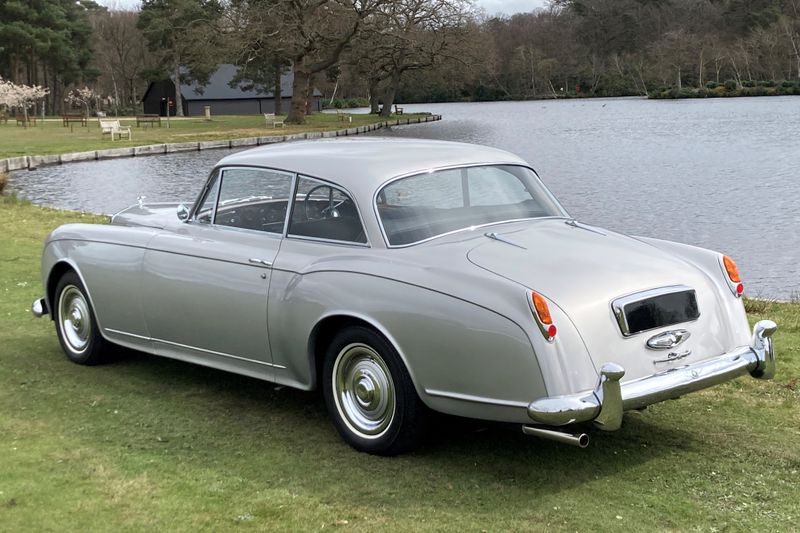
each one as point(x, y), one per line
point(492, 7)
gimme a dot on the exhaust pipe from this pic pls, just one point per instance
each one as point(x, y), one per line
point(581, 440)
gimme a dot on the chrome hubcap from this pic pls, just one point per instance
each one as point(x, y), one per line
point(74, 321)
point(363, 390)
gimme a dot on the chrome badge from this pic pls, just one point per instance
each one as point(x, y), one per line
point(668, 339)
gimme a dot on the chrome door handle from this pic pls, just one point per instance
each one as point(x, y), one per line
point(261, 262)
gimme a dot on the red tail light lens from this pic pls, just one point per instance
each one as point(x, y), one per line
point(543, 317)
point(733, 275)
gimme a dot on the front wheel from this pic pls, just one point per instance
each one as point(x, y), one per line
point(76, 326)
point(370, 395)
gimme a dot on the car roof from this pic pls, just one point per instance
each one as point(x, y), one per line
point(362, 164)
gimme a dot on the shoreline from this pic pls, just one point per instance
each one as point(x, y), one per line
point(32, 162)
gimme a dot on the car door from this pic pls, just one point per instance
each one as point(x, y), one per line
point(205, 283)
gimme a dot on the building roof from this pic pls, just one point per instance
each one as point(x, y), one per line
point(363, 164)
point(218, 87)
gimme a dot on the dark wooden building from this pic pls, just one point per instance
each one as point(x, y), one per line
point(223, 99)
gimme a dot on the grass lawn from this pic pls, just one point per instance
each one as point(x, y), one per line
point(50, 137)
point(154, 444)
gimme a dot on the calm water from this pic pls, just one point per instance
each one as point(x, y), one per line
point(721, 174)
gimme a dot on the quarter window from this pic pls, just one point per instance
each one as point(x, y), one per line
point(205, 214)
point(254, 199)
point(322, 211)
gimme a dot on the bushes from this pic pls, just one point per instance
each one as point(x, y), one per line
point(3, 181)
point(347, 103)
point(713, 89)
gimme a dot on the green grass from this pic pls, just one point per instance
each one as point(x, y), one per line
point(50, 137)
point(153, 444)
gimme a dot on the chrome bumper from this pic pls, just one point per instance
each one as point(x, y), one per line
point(605, 404)
point(39, 308)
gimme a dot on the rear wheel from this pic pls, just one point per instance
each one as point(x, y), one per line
point(76, 326)
point(370, 395)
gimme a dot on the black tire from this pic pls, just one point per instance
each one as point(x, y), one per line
point(370, 395)
point(76, 326)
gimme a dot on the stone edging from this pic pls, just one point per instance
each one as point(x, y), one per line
point(31, 162)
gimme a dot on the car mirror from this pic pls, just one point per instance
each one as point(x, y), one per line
point(183, 212)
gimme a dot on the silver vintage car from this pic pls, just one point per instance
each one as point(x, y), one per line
point(402, 277)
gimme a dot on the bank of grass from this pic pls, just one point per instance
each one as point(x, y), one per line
point(153, 444)
point(51, 137)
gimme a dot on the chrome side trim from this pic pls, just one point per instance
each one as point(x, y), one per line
point(134, 335)
point(606, 403)
point(475, 399)
point(194, 348)
point(618, 304)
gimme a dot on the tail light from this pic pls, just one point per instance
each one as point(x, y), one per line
point(543, 318)
point(734, 279)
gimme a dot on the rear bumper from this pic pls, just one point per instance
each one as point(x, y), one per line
point(605, 404)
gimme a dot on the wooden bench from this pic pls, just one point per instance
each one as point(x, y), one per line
point(343, 117)
point(3, 118)
point(21, 119)
point(113, 127)
point(276, 122)
point(66, 118)
point(148, 119)
point(398, 110)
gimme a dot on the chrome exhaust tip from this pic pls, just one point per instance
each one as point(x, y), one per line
point(581, 440)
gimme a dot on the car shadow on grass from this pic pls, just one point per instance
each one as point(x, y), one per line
point(297, 421)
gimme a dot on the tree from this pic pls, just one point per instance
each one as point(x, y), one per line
point(184, 38)
point(120, 54)
point(311, 34)
point(81, 97)
point(20, 96)
point(407, 35)
point(47, 42)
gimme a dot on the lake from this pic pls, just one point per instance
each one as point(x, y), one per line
point(717, 173)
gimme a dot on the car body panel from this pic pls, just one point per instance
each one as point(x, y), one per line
point(457, 307)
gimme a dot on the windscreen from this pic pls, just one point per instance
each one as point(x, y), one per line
point(422, 206)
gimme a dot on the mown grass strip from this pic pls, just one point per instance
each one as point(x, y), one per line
point(158, 445)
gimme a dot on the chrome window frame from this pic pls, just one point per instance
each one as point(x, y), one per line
point(386, 183)
point(290, 212)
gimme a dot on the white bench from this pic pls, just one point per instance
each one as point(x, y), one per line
point(270, 117)
point(113, 127)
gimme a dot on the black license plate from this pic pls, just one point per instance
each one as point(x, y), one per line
point(660, 311)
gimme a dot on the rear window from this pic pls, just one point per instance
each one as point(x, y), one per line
point(423, 206)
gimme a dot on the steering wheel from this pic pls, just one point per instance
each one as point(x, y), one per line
point(328, 212)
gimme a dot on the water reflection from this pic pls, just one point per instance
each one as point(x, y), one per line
point(717, 173)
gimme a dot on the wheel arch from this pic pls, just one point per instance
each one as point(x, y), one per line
point(326, 329)
point(57, 271)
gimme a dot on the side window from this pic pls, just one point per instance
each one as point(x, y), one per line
point(253, 198)
point(322, 211)
point(205, 213)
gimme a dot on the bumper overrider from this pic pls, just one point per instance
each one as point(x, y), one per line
point(605, 404)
